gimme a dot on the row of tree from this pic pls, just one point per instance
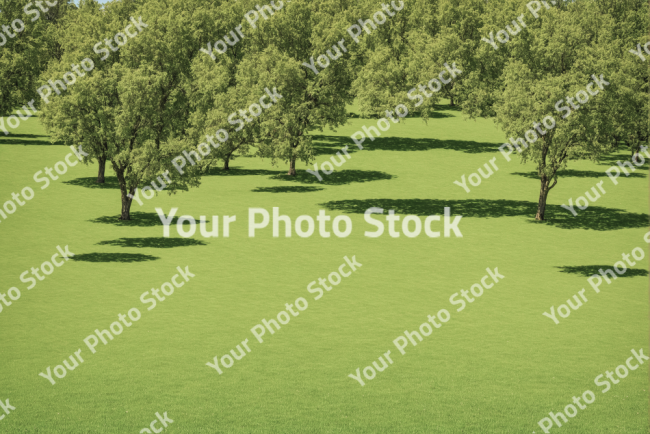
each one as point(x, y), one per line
point(159, 94)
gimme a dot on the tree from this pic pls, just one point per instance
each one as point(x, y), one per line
point(240, 137)
point(396, 57)
point(90, 22)
point(136, 110)
point(631, 29)
point(274, 57)
point(400, 59)
point(216, 92)
point(564, 50)
point(454, 39)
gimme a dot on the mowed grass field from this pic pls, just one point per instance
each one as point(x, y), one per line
point(498, 366)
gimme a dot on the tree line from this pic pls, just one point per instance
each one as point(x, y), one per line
point(162, 92)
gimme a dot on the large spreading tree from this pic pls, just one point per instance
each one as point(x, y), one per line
point(568, 47)
point(135, 110)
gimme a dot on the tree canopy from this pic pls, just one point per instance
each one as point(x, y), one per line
point(167, 75)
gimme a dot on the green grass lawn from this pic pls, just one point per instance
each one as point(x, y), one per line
point(499, 366)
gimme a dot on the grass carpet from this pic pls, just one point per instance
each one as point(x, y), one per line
point(498, 366)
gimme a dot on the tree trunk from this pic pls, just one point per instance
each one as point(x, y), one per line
point(126, 200)
point(292, 167)
point(226, 162)
point(451, 101)
point(102, 170)
point(543, 195)
point(126, 206)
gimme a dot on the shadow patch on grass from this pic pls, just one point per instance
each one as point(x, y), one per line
point(340, 177)
point(438, 114)
point(611, 159)
point(110, 182)
point(153, 242)
point(138, 219)
point(330, 145)
point(238, 171)
point(416, 114)
point(324, 143)
point(578, 174)
point(594, 218)
point(590, 270)
point(286, 189)
point(25, 139)
point(21, 111)
point(454, 108)
point(113, 257)
point(26, 136)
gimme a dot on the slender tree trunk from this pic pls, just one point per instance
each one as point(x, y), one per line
point(126, 206)
point(543, 195)
point(226, 162)
point(102, 170)
point(126, 200)
point(292, 166)
point(451, 96)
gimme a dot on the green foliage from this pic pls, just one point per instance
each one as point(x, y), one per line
point(24, 57)
point(134, 108)
point(552, 59)
point(271, 56)
point(394, 57)
point(162, 93)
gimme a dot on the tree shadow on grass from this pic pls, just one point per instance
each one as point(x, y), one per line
point(21, 111)
point(590, 270)
point(439, 108)
point(153, 242)
point(439, 113)
point(611, 159)
point(340, 177)
point(401, 144)
point(578, 174)
point(28, 136)
point(111, 182)
point(286, 189)
point(594, 218)
point(138, 219)
point(25, 139)
point(113, 257)
point(330, 145)
point(238, 171)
